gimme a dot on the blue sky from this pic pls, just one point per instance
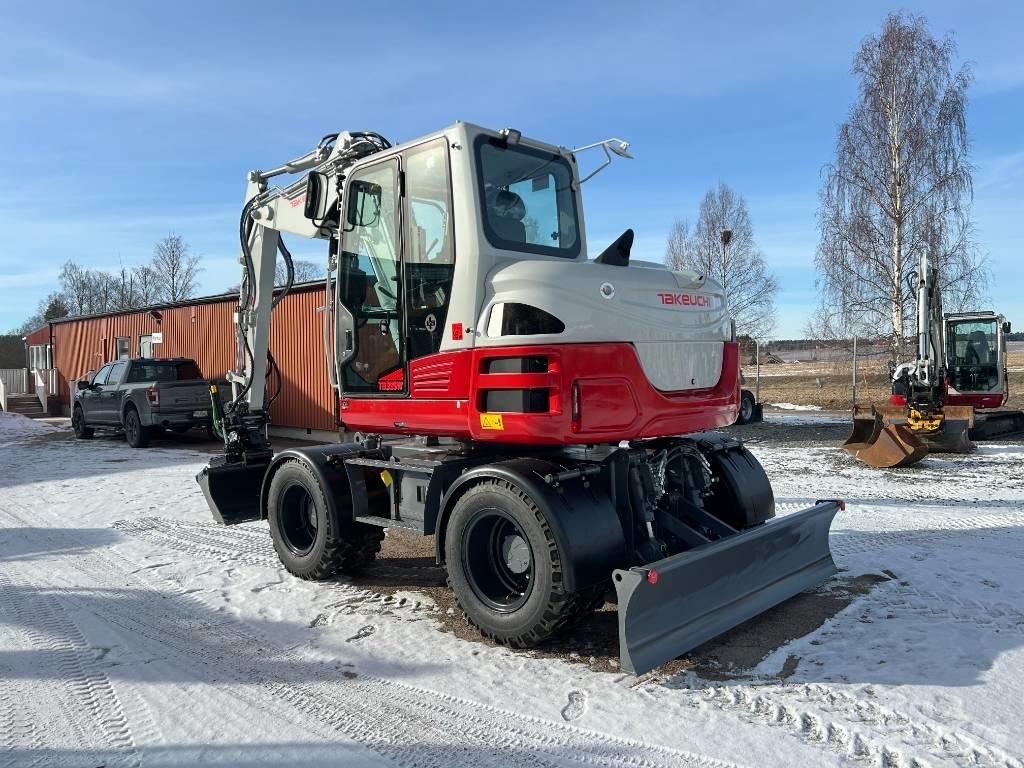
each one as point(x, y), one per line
point(125, 121)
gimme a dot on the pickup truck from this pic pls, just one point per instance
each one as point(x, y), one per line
point(143, 396)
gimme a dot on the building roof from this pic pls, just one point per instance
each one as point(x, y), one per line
point(214, 299)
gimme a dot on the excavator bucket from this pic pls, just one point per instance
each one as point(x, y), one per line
point(671, 606)
point(233, 489)
point(880, 443)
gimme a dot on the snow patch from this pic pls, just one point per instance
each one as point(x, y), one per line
point(794, 407)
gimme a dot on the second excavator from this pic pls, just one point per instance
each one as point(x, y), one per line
point(960, 369)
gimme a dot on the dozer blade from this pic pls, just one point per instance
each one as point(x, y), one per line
point(671, 606)
point(882, 444)
point(953, 435)
point(233, 489)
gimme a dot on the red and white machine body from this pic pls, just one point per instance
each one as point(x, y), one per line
point(465, 303)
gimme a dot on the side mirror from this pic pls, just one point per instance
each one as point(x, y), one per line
point(364, 199)
point(83, 385)
point(316, 196)
point(1006, 327)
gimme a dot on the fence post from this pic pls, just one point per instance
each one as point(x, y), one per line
point(855, 373)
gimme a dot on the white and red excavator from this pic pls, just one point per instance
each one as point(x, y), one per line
point(952, 393)
point(543, 414)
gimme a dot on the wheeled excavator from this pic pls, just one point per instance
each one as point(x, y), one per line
point(960, 369)
point(547, 416)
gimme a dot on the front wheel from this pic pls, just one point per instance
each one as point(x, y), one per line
point(82, 432)
point(305, 535)
point(135, 434)
point(506, 570)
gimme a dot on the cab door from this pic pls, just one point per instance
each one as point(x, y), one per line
point(370, 314)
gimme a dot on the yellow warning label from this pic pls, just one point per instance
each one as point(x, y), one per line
point(386, 477)
point(491, 421)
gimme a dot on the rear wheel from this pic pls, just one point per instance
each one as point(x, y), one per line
point(135, 434)
point(506, 570)
point(82, 432)
point(305, 536)
point(746, 414)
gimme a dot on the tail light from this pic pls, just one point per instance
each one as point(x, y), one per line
point(898, 400)
point(575, 425)
point(153, 395)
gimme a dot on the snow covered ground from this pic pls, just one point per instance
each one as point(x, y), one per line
point(134, 631)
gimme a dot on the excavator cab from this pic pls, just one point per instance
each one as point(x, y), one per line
point(976, 359)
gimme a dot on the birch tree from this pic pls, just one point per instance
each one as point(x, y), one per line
point(900, 185)
point(722, 246)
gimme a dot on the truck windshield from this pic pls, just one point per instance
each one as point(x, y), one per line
point(164, 370)
point(528, 200)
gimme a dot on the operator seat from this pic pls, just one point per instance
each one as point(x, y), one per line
point(507, 216)
point(977, 348)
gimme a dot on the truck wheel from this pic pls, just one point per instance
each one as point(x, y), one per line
point(82, 432)
point(136, 434)
point(304, 534)
point(505, 568)
point(746, 414)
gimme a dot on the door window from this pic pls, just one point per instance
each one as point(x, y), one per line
point(429, 253)
point(145, 346)
point(116, 372)
point(368, 280)
point(101, 377)
point(122, 346)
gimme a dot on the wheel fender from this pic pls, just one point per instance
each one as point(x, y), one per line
point(582, 519)
point(324, 461)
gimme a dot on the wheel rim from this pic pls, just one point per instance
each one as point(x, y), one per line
point(132, 427)
point(498, 560)
point(298, 520)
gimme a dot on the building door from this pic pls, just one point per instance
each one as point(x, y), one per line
point(146, 346)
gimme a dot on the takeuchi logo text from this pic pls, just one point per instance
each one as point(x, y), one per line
point(685, 299)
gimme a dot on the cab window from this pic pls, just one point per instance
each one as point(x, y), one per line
point(430, 252)
point(528, 200)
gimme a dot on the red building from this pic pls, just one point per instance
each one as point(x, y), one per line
point(203, 329)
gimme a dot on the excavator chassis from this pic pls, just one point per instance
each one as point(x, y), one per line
point(681, 527)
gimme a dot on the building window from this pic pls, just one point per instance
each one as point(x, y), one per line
point(39, 356)
point(146, 346)
point(123, 347)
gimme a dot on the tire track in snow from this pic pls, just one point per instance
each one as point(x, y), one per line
point(395, 719)
point(49, 629)
point(237, 546)
point(857, 728)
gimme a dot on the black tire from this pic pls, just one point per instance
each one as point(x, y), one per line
point(747, 404)
point(82, 432)
point(135, 434)
point(305, 536)
point(511, 603)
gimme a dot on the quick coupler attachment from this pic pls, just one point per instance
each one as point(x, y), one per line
point(671, 606)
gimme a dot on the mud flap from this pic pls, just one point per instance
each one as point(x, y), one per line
point(883, 444)
point(233, 489)
point(671, 606)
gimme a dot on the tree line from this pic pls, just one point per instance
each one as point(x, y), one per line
point(172, 274)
